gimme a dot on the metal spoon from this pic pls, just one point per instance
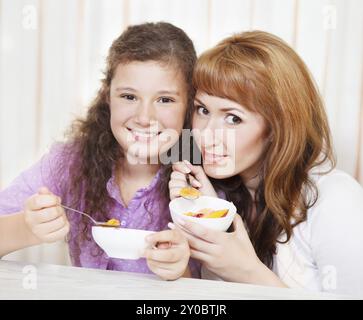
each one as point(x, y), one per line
point(97, 223)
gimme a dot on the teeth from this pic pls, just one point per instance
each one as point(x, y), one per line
point(144, 134)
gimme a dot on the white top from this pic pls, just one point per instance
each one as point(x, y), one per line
point(325, 252)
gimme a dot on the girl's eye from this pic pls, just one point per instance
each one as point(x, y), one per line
point(130, 97)
point(166, 100)
point(232, 119)
point(202, 110)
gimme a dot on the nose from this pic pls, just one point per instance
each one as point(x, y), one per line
point(144, 114)
point(211, 134)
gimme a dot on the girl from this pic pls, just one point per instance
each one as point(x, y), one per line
point(300, 221)
point(110, 165)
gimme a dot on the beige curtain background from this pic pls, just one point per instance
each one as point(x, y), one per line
point(53, 51)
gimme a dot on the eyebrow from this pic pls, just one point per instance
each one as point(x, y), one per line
point(222, 109)
point(169, 92)
point(125, 89)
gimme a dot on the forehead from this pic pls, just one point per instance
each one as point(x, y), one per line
point(148, 75)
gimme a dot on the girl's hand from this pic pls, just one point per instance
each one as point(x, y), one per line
point(44, 216)
point(230, 256)
point(169, 262)
point(198, 179)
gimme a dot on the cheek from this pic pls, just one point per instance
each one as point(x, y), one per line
point(173, 118)
point(249, 147)
point(197, 126)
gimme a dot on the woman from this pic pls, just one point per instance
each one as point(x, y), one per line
point(300, 221)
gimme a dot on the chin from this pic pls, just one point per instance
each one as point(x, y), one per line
point(218, 172)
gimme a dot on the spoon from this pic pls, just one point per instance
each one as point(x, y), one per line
point(112, 223)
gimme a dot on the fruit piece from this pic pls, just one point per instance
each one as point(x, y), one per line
point(189, 214)
point(113, 223)
point(217, 214)
point(205, 211)
point(199, 215)
point(208, 213)
point(189, 193)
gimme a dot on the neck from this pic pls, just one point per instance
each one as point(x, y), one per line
point(251, 182)
point(137, 171)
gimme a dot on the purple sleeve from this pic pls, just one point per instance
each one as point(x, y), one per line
point(43, 173)
point(195, 268)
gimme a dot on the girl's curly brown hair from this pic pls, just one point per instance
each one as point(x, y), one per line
point(93, 150)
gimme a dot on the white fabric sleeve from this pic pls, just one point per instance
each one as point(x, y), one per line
point(337, 234)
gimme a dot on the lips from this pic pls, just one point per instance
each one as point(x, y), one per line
point(210, 158)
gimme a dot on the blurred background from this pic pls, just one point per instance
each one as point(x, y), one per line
point(52, 54)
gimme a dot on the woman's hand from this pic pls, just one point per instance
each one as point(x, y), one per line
point(169, 262)
point(230, 256)
point(44, 216)
point(197, 178)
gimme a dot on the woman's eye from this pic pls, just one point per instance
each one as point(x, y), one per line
point(166, 100)
point(202, 111)
point(130, 97)
point(232, 119)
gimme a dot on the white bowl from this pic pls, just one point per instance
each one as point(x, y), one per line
point(179, 206)
point(121, 243)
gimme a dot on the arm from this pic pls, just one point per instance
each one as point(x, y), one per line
point(43, 220)
point(14, 234)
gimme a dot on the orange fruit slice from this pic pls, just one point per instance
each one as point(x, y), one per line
point(113, 223)
point(217, 214)
point(189, 193)
point(208, 213)
point(189, 214)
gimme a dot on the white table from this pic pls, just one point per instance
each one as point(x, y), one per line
point(63, 282)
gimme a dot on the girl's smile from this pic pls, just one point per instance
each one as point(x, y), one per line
point(148, 102)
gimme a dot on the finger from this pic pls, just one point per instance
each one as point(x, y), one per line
point(165, 255)
point(47, 215)
point(166, 273)
point(50, 227)
point(197, 171)
point(178, 176)
point(201, 256)
point(163, 245)
point(199, 244)
point(209, 235)
point(177, 183)
point(174, 193)
point(194, 182)
point(57, 235)
point(38, 202)
point(194, 242)
point(172, 236)
point(181, 167)
point(238, 226)
point(44, 190)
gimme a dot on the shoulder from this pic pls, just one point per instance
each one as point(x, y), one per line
point(337, 187)
point(339, 203)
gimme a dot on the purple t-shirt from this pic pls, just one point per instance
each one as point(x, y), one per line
point(147, 210)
